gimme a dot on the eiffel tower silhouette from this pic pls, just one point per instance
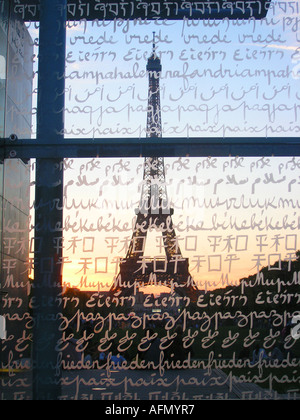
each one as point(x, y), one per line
point(154, 213)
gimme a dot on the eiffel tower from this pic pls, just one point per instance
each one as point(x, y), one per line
point(154, 213)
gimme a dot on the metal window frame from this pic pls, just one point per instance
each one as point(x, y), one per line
point(51, 145)
point(137, 147)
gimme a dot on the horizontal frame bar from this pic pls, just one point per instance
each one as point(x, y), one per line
point(135, 147)
point(29, 10)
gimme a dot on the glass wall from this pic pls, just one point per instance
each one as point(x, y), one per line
point(163, 276)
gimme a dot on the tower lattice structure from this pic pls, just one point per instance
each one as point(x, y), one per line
point(154, 213)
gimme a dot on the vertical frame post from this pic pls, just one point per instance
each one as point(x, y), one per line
point(49, 203)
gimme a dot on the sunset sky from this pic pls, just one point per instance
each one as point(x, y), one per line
point(218, 239)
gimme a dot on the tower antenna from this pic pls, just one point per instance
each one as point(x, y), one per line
point(154, 47)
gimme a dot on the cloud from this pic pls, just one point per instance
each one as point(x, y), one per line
point(284, 47)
